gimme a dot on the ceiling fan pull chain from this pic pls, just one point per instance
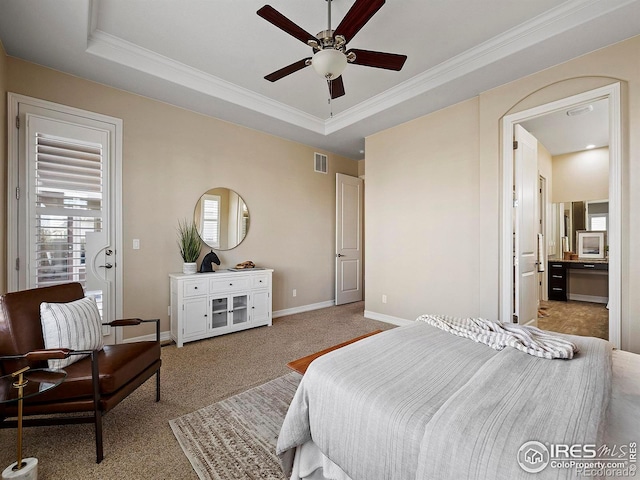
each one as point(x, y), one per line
point(330, 83)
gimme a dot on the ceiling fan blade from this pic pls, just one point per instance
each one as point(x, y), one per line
point(357, 16)
point(336, 87)
point(271, 15)
point(288, 70)
point(388, 61)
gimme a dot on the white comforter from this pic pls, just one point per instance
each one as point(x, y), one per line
point(418, 403)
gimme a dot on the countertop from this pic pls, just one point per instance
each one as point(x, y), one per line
point(580, 260)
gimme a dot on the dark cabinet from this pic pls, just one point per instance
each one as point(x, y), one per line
point(558, 281)
point(559, 275)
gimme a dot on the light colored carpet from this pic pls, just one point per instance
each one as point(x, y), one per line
point(138, 441)
point(575, 318)
point(236, 437)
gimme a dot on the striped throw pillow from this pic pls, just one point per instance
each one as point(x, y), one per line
point(75, 325)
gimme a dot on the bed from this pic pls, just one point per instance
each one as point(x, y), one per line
point(416, 402)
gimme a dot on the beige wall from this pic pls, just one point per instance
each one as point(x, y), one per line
point(361, 166)
point(581, 176)
point(465, 201)
point(545, 168)
point(3, 169)
point(171, 156)
point(422, 215)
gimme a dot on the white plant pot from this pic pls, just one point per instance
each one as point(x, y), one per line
point(189, 268)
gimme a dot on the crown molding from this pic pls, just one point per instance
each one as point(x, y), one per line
point(553, 22)
point(125, 53)
point(566, 16)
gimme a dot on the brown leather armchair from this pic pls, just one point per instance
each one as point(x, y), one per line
point(94, 385)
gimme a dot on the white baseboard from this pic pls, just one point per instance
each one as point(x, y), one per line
point(303, 308)
point(588, 298)
point(387, 318)
point(164, 336)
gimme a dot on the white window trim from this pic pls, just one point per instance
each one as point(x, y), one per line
point(13, 101)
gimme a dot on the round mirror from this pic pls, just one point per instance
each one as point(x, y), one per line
point(222, 218)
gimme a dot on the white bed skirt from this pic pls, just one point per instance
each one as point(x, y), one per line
point(310, 463)
point(623, 422)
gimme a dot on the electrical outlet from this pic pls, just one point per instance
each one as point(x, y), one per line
point(295, 292)
point(384, 299)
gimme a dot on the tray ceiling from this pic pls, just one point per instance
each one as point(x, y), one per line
point(211, 56)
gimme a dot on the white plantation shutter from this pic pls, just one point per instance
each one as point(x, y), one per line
point(211, 220)
point(68, 195)
point(245, 220)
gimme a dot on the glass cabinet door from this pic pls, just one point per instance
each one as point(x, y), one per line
point(240, 312)
point(219, 312)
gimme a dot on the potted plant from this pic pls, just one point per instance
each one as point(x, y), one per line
point(189, 243)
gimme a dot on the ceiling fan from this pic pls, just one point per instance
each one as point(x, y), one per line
point(330, 56)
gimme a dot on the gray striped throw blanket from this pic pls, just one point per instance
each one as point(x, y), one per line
point(498, 335)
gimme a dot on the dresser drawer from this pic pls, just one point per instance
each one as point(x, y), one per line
point(558, 282)
point(193, 288)
point(590, 266)
point(557, 276)
point(262, 280)
point(557, 293)
point(222, 285)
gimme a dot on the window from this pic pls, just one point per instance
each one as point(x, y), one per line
point(210, 223)
point(598, 222)
point(67, 204)
point(598, 215)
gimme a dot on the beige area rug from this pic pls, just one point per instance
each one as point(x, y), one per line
point(236, 438)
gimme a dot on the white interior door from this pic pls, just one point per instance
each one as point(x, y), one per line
point(349, 222)
point(526, 226)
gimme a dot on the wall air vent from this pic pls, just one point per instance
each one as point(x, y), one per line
point(320, 163)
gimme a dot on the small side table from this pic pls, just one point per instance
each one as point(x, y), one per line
point(15, 387)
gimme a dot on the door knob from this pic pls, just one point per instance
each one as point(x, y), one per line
point(108, 252)
point(107, 265)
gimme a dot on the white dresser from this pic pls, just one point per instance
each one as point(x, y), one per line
point(208, 304)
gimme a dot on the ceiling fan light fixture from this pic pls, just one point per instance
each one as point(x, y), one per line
point(329, 63)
